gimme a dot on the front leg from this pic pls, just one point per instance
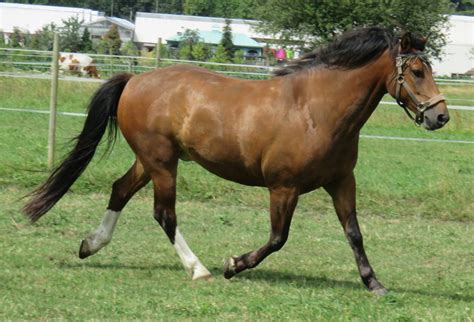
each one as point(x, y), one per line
point(282, 204)
point(343, 196)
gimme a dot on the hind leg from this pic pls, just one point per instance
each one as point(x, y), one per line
point(122, 190)
point(164, 182)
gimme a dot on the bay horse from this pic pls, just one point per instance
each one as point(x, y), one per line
point(293, 133)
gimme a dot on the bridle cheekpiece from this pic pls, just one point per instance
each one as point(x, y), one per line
point(421, 107)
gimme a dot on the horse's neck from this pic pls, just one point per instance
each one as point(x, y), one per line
point(367, 93)
point(348, 97)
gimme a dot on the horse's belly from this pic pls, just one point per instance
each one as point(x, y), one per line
point(232, 170)
point(235, 174)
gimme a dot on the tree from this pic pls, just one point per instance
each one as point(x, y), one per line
point(198, 7)
point(43, 38)
point(27, 40)
point(220, 55)
point(16, 38)
point(101, 47)
point(319, 21)
point(187, 40)
point(129, 49)
point(171, 6)
point(239, 57)
point(86, 41)
point(226, 40)
point(221, 8)
point(235, 8)
point(127, 8)
point(2, 39)
point(70, 35)
point(112, 41)
point(200, 52)
point(464, 7)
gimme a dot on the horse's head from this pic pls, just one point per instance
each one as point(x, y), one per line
point(413, 86)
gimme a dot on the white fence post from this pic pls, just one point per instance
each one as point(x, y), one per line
point(53, 102)
point(158, 52)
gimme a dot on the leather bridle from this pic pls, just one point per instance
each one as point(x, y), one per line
point(421, 107)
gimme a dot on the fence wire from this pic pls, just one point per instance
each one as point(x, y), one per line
point(38, 61)
point(19, 60)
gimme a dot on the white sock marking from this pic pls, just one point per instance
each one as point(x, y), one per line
point(103, 234)
point(190, 261)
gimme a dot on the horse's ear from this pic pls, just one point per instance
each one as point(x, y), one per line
point(406, 43)
point(421, 43)
point(424, 40)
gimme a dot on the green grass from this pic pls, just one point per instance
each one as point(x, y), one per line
point(427, 264)
point(415, 210)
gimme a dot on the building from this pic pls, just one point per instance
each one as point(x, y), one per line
point(34, 17)
point(458, 55)
point(250, 47)
point(31, 18)
point(98, 28)
point(151, 26)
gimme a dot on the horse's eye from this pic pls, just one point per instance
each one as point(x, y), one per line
point(418, 73)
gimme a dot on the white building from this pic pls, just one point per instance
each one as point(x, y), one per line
point(98, 28)
point(458, 55)
point(151, 26)
point(31, 18)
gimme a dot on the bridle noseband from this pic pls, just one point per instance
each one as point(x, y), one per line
point(421, 107)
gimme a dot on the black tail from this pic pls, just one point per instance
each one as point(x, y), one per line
point(102, 110)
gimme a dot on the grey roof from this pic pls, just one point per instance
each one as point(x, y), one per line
point(116, 21)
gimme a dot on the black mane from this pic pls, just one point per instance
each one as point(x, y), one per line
point(351, 50)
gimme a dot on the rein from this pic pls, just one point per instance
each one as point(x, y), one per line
point(421, 107)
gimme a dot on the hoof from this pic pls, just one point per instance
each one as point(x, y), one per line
point(201, 273)
point(203, 277)
point(380, 291)
point(84, 250)
point(229, 268)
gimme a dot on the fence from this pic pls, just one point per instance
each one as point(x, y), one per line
point(38, 61)
point(16, 60)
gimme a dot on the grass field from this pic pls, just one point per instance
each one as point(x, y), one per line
point(415, 202)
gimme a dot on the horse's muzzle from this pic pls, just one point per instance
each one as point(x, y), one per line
point(434, 120)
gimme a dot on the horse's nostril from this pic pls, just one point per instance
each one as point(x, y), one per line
point(443, 118)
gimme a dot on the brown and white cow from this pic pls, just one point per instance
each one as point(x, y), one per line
point(77, 63)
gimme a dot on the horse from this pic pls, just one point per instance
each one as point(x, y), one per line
point(293, 133)
point(77, 63)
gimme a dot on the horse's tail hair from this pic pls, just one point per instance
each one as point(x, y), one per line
point(102, 110)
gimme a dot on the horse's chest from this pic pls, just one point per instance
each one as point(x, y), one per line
point(327, 166)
